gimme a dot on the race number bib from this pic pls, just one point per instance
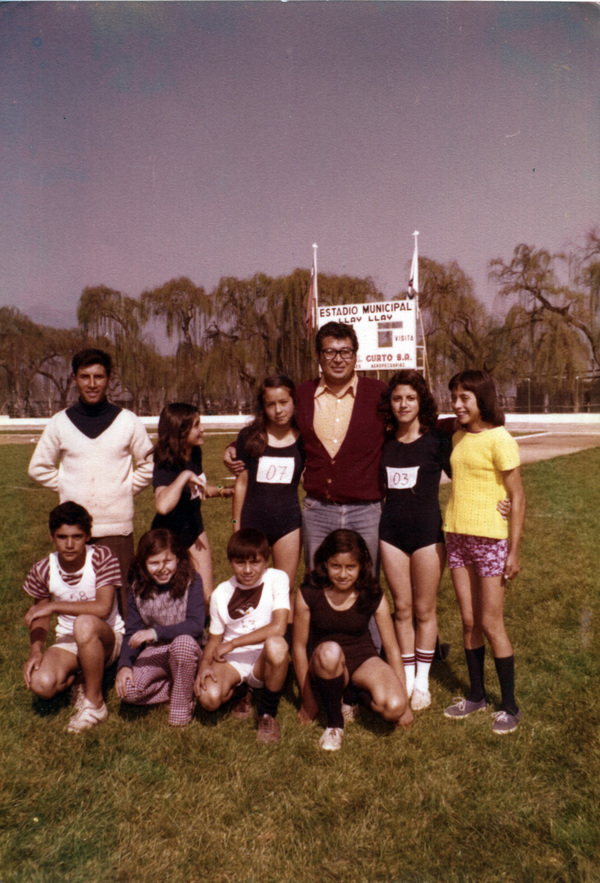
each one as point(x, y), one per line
point(401, 479)
point(275, 470)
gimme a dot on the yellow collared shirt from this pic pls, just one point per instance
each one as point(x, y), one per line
point(332, 414)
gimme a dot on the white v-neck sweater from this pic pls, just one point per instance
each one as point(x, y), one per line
point(102, 473)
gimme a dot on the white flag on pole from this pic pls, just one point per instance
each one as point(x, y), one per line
point(413, 282)
point(310, 319)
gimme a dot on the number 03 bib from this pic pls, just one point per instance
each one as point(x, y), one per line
point(401, 479)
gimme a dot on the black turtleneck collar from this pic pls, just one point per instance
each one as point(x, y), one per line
point(92, 420)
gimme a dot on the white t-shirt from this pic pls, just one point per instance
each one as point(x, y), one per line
point(275, 596)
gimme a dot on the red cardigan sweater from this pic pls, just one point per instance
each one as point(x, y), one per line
point(352, 476)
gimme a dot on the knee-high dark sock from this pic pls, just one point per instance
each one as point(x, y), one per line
point(475, 660)
point(505, 669)
point(351, 695)
point(269, 702)
point(330, 691)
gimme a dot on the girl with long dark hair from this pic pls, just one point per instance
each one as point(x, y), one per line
point(165, 616)
point(180, 484)
point(266, 491)
point(483, 549)
point(411, 537)
point(332, 644)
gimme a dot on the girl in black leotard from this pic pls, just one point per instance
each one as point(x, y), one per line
point(332, 643)
point(266, 492)
point(180, 485)
point(411, 539)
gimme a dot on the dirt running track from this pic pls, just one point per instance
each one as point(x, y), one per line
point(545, 444)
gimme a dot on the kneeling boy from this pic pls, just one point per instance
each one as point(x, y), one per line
point(78, 583)
point(248, 619)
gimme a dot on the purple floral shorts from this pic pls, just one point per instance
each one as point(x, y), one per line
point(486, 555)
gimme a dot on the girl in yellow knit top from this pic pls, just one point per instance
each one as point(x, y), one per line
point(483, 549)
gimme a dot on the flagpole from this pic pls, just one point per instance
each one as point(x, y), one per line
point(413, 293)
point(310, 317)
point(316, 303)
point(413, 282)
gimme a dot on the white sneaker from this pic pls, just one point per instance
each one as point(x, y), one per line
point(87, 716)
point(331, 740)
point(420, 699)
point(349, 712)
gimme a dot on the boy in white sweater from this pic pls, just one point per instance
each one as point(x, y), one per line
point(97, 455)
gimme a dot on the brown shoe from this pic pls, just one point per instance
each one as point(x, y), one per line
point(268, 730)
point(242, 709)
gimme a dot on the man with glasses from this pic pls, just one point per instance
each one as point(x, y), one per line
point(343, 437)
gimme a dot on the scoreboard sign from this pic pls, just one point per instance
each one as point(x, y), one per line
point(386, 331)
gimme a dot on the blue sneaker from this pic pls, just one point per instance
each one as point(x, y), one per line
point(505, 722)
point(464, 707)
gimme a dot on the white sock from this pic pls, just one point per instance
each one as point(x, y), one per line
point(424, 660)
point(409, 672)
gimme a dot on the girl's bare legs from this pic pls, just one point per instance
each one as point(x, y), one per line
point(202, 559)
point(286, 557)
point(492, 615)
point(466, 589)
point(468, 594)
point(427, 566)
point(388, 696)
point(481, 602)
point(414, 581)
point(396, 567)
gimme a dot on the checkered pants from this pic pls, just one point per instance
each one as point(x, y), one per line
point(164, 672)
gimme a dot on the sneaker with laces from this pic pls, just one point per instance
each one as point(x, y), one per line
point(331, 740)
point(420, 699)
point(505, 722)
point(268, 729)
point(242, 710)
point(464, 707)
point(87, 716)
point(349, 712)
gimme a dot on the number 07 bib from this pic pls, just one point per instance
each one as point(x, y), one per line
point(275, 470)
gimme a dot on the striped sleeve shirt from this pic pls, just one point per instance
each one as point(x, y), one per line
point(105, 564)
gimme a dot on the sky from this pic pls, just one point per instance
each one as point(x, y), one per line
point(149, 140)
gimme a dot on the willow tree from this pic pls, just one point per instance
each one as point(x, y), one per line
point(258, 327)
point(585, 273)
point(115, 323)
point(56, 371)
point(186, 311)
point(241, 340)
point(546, 352)
point(346, 289)
point(459, 332)
point(25, 348)
point(535, 278)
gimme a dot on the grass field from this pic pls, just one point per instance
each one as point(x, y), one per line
point(135, 801)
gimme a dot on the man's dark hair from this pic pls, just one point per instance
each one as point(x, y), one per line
point(84, 358)
point(72, 514)
point(339, 330)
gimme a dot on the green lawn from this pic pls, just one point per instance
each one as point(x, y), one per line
point(135, 801)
